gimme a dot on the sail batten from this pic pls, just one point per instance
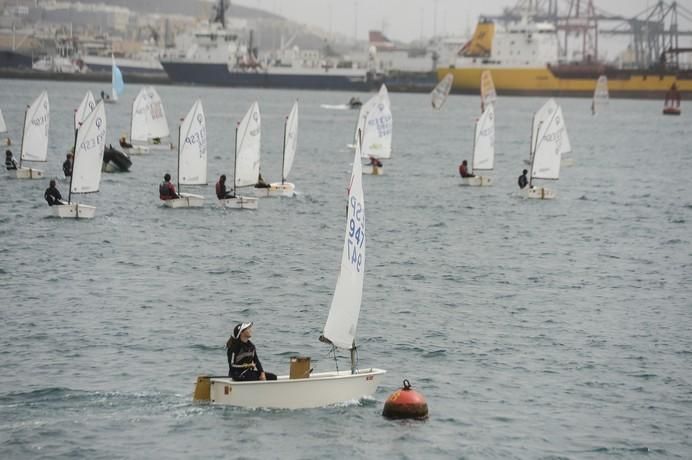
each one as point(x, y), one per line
point(192, 147)
point(342, 321)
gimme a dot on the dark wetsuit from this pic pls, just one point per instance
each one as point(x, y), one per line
point(52, 196)
point(67, 168)
point(522, 181)
point(167, 191)
point(10, 164)
point(222, 193)
point(464, 172)
point(124, 144)
point(243, 363)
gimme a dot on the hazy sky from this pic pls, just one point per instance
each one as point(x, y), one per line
point(408, 20)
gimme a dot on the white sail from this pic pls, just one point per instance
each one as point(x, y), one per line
point(192, 147)
point(362, 116)
point(539, 118)
point(139, 131)
point(600, 94)
point(549, 146)
point(85, 108)
point(384, 94)
point(340, 328)
point(117, 83)
point(148, 117)
point(441, 91)
point(88, 157)
point(488, 94)
point(3, 126)
point(36, 126)
point(377, 130)
point(157, 115)
point(247, 144)
point(290, 141)
point(484, 142)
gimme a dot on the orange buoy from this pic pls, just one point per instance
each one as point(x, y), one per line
point(405, 403)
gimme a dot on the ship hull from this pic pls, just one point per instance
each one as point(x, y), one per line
point(217, 74)
point(552, 82)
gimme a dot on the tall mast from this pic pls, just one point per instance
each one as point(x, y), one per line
point(74, 160)
point(235, 159)
point(283, 156)
point(21, 153)
point(179, 144)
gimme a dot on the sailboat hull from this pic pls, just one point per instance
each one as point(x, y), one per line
point(186, 200)
point(239, 202)
point(28, 173)
point(279, 189)
point(477, 181)
point(73, 211)
point(319, 390)
point(671, 111)
point(539, 193)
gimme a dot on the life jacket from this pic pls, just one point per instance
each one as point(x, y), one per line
point(166, 191)
point(522, 181)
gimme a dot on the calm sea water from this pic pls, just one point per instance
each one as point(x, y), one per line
point(555, 329)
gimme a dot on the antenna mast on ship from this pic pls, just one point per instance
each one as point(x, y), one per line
point(220, 14)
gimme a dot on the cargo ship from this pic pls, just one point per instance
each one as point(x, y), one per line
point(523, 58)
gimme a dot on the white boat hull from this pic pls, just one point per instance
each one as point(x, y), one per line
point(28, 173)
point(73, 211)
point(137, 150)
point(186, 200)
point(539, 193)
point(279, 189)
point(239, 202)
point(319, 390)
point(477, 181)
point(373, 170)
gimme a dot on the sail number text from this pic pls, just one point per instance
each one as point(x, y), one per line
point(356, 234)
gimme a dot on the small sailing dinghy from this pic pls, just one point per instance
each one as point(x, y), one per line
point(376, 130)
point(85, 108)
point(549, 142)
point(117, 83)
point(671, 105)
point(600, 95)
point(284, 188)
point(148, 124)
point(86, 170)
point(488, 93)
point(35, 137)
point(322, 388)
point(246, 160)
point(441, 91)
point(192, 157)
point(483, 148)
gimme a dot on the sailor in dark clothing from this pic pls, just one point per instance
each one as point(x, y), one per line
point(221, 192)
point(124, 144)
point(261, 183)
point(464, 170)
point(243, 363)
point(522, 181)
point(167, 189)
point(67, 165)
point(52, 195)
point(10, 164)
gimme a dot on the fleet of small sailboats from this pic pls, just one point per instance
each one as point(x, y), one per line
point(192, 157)
point(290, 147)
point(86, 170)
point(35, 137)
point(321, 388)
point(246, 159)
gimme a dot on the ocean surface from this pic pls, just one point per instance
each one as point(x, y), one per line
point(535, 329)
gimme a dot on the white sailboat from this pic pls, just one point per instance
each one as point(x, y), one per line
point(441, 91)
point(377, 131)
point(488, 93)
point(483, 148)
point(86, 171)
point(551, 142)
point(284, 188)
point(3, 129)
point(246, 160)
point(35, 137)
point(192, 157)
point(600, 94)
point(322, 388)
point(85, 108)
point(148, 124)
